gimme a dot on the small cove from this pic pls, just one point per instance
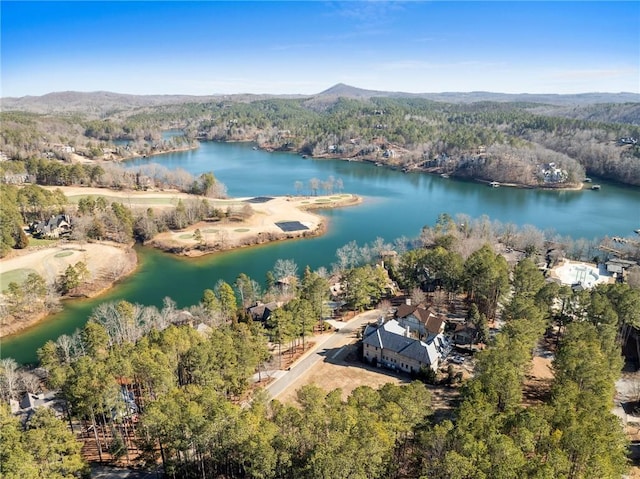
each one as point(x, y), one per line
point(395, 204)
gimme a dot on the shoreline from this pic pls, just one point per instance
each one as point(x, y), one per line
point(112, 157)
point(328, 156)
point(91, 289)
point(158, 153)
point(573, 187)
point(257, 230)
point(436, 171)
point(207, 249)
point(260, 229)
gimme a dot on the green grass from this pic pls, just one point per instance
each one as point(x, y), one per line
point(41, 242)
point(137, 201)
point(305, 202)
point(14, 276)
point(210, 230)
point(322, 200)
point(241, 230)
point(335, 197)
point(63, 254)
point(134, 201)
point(186, 236)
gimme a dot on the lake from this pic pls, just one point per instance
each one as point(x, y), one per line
point(395, 204)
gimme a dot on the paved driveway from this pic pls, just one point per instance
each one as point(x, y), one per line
point(332, 344)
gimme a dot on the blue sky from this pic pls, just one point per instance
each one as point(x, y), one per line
point(211, 47)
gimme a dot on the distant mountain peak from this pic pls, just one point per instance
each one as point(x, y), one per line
point(339, 86)
point(100, 103)
point(344, 90)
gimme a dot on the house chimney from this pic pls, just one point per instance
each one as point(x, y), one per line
point(407, 301)
point(407, 332)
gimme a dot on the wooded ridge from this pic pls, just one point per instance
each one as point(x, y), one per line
point(150, 387)
point(550, 141)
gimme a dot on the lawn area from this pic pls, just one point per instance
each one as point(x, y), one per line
point(163, 199)
point(63, 254)
point(133, 200)
point(16, 276)
point(41, 242)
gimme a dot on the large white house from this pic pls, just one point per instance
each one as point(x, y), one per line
point(390, 345)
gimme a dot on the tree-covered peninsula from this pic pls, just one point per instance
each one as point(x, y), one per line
point(527, 140)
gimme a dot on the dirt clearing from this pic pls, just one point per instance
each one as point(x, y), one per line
point(328, 377)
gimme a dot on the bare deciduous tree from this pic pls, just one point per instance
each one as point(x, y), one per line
point(633, 277)
point(9, 376)
point(314, 184)
point(223, 238)
point(64, 343)
point(247, 211)
point(30, 382)
point(327, 186)
point(418, 296)
point(116, 268)
point(285, 271)
point(385, 307)
point(348, 255)
point(531, 240)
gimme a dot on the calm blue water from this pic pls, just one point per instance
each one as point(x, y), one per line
point(407, 202)
point(396, 204)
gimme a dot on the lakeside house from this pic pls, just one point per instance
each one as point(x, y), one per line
point(60, 148)
point(550, 173)
point(262, 311)
point(25, 408)
point(54, 227)
point(618, 267)
point(464, 335)
point(423, 322)
point(18, 178)
point(390, 345)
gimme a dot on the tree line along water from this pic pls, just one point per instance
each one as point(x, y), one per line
point(395, 204)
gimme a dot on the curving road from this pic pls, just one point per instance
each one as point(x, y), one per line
point(331, 344)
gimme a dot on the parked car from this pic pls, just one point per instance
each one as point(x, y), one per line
point(457, 359)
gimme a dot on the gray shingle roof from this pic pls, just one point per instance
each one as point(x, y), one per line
point(390, 336)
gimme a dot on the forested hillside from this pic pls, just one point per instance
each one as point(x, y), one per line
point(491, 137)
point(491, 141)
point(157, 391)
